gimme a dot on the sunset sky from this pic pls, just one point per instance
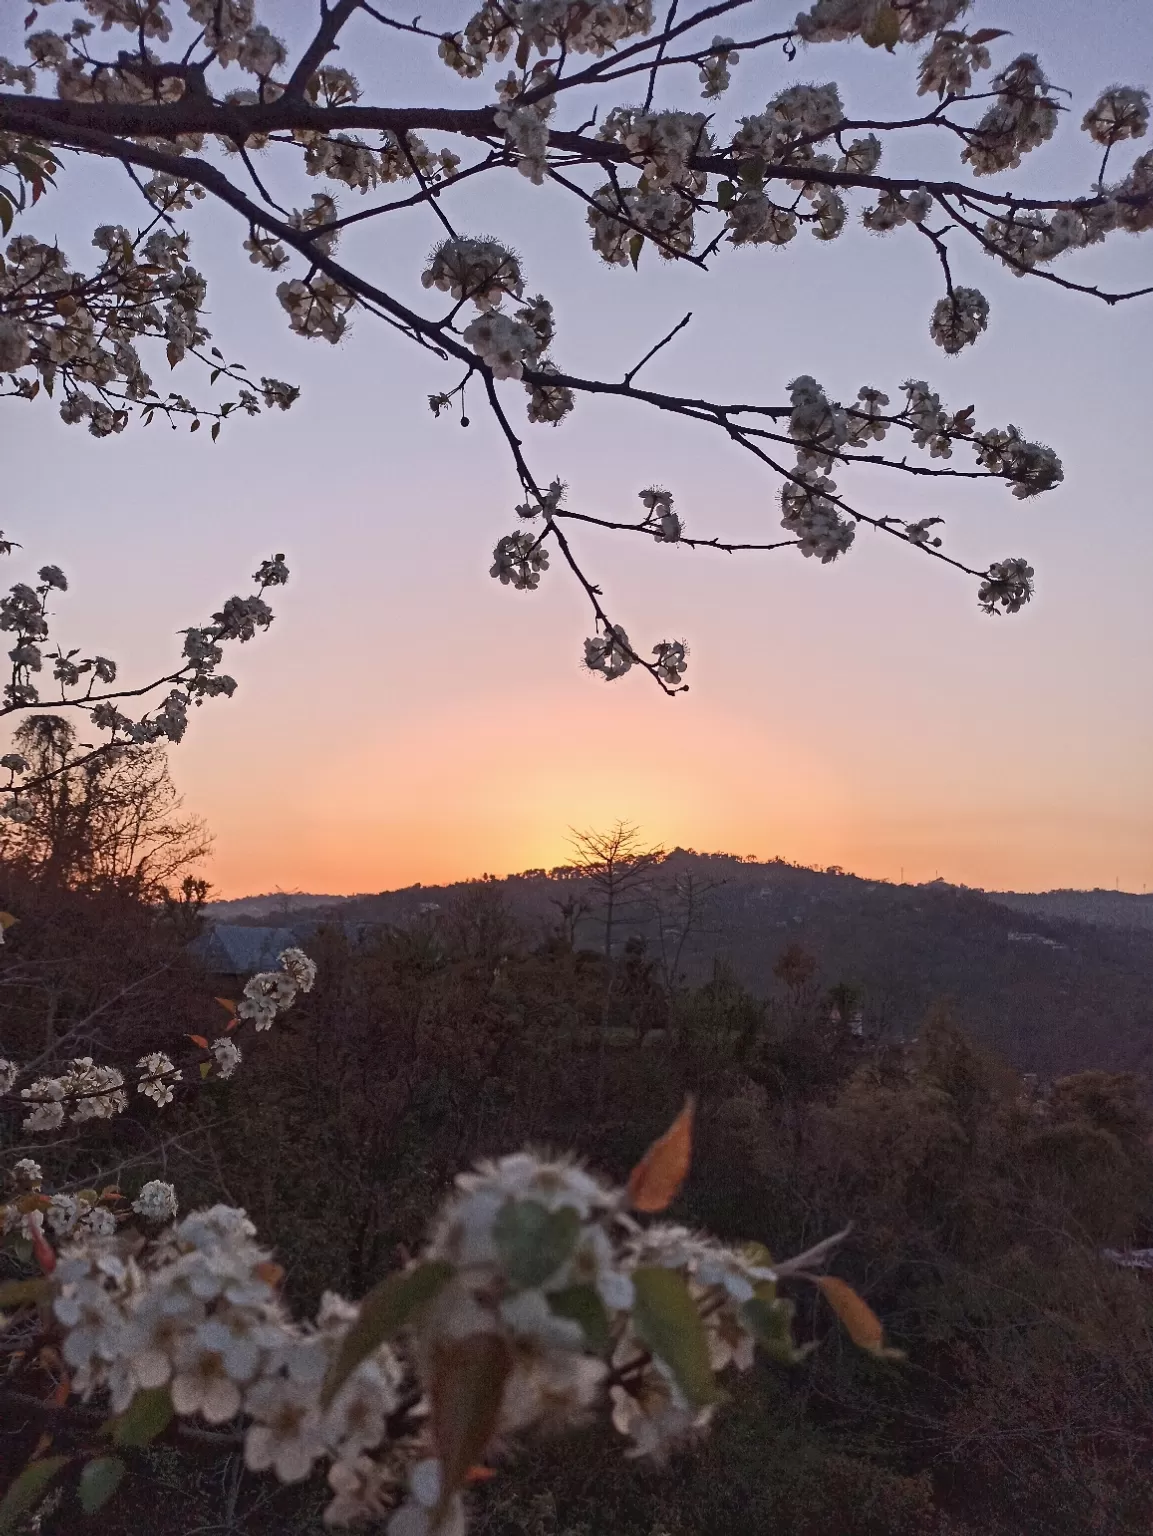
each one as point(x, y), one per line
point(409, 719)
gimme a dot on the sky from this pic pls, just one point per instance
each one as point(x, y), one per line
point(408, 719)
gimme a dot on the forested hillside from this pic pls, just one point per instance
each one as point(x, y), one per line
point(1051, 993)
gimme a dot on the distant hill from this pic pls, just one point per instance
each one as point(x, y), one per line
point(1114, 909)
point(1055, 981)
point(274, 904)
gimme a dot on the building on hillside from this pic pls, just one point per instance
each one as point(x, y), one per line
point(233, 949)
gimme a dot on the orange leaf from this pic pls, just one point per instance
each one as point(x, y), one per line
point(479, 1474)
point(200, 1041)
point(45, 1254)
point(232, 1023)
point(63, 1390)
point(270, 1273)
point(656, 1180)
point(226, 1002)
point(861, 1323)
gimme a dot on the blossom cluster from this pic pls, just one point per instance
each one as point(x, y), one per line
point(959, 318)
point(834, 21)
point(485, 273)
point(79, 334)
point(1023, 116)
point(30, 1214)
point(715, 66)
point(538, 1291)
point(664, 170)
point(808, 512)
point(658, 505)
point(518, 560)
point(525, 124)
point(793, 124)
point(86, 1090)
point(620, 219)
point(25, 616)
point(499, 26)
point(948, 67)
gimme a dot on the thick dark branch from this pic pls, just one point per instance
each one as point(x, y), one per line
point(68, 122)
point(322, 44)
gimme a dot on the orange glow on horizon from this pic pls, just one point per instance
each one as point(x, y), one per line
point(451, 796)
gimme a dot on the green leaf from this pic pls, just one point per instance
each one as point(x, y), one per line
point(757, 1254)
point(99, 1480)
point(885, 31)
point(29, 1488)
point(666, 1319)
point(467, 1387)
point(386, 1309)
point(7, 213)
point(17, 1293)
point(726, 193)
point(771, 1324)
point(581, 1304)
point(636, 245)
point(215, 430)
point(533, 1242)
point(147, 1415)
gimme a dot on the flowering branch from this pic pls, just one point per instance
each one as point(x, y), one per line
point(646, 176)
point(89, 683)
point(542, 1296)
point(88, 1091)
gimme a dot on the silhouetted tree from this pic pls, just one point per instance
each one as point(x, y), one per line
point(111, 819)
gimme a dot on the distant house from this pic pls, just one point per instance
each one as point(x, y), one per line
point(1034, 938)
point(233, 949)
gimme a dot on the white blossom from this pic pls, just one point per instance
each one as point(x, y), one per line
point(227, 1055)
point(480, 270)
point(298, 965)
point(156, 1201)
point(1118, 113)
point(158, 1073)
point(959, 318)
point(1022, 117)
point(286, 1434)
point(714, 74)
point(1008, 586)
point(518, 560)
point(363, 1490)
point(609, 653)
point(808, 512)
point(26, 1171)
point(671, 660)
point(15, 344)
point(947, 68)
point(502, 344)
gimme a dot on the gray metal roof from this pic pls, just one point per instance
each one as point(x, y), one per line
point(234, 949)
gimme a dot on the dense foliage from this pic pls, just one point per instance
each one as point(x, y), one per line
point(981, 1205)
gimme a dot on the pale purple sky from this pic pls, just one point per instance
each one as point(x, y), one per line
point(409, 719)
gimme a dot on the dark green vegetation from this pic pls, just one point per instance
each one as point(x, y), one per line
point(1053, 982)
point(980, 1201)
